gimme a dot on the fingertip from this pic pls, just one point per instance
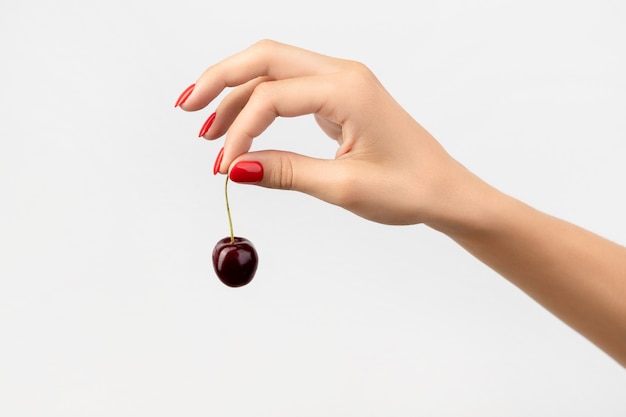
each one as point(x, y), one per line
point(218, 161)
point(206, 126)
point(233, 150)
point(250, 172)
point(184, 95)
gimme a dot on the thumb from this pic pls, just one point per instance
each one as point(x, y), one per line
point(320, 178)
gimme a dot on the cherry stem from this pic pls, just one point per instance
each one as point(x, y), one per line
point(230, 220)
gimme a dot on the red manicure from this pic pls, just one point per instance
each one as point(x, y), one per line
point(207, 124)
point(218, 162)
point(247, 171)
point(185, 94)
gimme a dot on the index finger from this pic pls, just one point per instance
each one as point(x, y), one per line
point(265, 58)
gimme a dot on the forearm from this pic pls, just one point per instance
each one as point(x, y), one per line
point(577, 275)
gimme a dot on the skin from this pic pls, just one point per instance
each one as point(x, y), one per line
point(390, 170)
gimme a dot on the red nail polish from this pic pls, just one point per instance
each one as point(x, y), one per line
point(218, 162)
point(185, 94)
point(247, 171)
point(207, 124)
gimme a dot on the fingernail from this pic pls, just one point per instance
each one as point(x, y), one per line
point(207, 124)
point(218, 162)
point(185, 94)
point(247, 171)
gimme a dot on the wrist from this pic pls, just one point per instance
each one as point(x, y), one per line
point(472, 208)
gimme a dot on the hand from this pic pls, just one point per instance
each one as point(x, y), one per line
point(391, 170)
point(387, 168)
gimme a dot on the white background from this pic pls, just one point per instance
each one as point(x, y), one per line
point(109, 210)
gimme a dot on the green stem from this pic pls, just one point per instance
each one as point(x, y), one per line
point(230, 221)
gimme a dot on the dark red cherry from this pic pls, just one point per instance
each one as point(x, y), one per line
point(235, 262)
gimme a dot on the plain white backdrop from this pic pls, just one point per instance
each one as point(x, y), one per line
point(109, 210)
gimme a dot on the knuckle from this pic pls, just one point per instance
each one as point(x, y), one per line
point(360, 82)
point(264, 47)
point(265, 44)
point(359, 72)
point(262, 91)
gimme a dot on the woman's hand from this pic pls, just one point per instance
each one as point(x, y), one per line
point(390, 170)
point(387, 167)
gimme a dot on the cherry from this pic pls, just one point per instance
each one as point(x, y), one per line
point(235, 261)
point(234, 258)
